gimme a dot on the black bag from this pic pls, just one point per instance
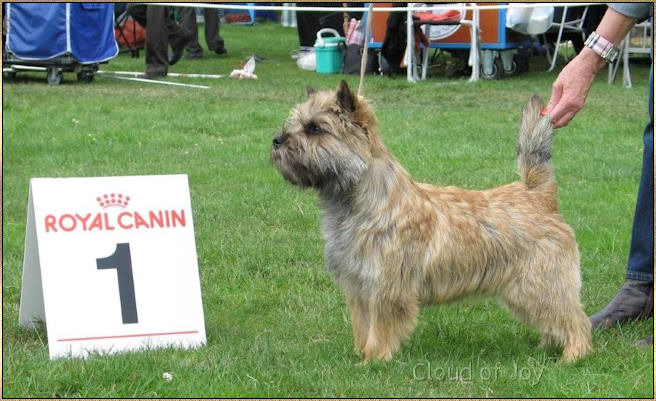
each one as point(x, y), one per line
point(395, 42)
point(353, 59)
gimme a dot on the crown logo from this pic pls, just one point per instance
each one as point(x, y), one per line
point(113, 200)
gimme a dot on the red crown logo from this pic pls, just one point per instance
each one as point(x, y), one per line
point(112, 199)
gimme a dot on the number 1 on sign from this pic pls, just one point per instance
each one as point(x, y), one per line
point(122, 262)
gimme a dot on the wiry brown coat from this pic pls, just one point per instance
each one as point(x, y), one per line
point(394, 244)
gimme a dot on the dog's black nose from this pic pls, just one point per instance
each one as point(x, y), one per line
point(279, 140)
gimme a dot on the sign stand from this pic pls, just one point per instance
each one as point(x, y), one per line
point(32, 311)
point(110, 264)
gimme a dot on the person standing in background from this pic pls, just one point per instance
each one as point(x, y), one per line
point(161, 31)
point(212, 24)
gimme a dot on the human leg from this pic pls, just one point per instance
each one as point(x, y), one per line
point(188, 22)
point(157, 42)
point(636, 297)
point(214, 40)
point(178, 37)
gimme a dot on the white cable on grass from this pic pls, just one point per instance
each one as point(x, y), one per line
point(152, 81)
point(170, 74)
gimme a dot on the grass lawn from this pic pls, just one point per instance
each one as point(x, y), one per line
point(277, 326)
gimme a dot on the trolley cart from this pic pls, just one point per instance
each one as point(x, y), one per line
point(58, 38)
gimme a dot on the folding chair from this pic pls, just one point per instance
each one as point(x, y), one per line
point(573, 25)
point(433, 21)
point(637, 41)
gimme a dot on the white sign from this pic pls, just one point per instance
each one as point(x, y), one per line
point(110, 264)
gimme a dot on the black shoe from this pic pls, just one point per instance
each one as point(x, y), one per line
point(634, 301)
point(152, 75)
point(220, 51)
point(179, 47)
point(194, 56)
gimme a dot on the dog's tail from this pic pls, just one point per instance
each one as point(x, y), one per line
point(534, 148)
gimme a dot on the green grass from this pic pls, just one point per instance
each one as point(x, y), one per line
point(277, 326)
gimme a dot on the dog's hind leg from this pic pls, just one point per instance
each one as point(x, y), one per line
point(575, 335)
point(550, 301)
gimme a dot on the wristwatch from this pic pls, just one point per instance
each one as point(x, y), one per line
point(602, 47)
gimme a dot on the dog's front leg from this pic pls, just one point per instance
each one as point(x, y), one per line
point(391, 322)
point(359, 320)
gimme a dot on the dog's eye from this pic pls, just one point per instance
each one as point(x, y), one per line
point(313, 129)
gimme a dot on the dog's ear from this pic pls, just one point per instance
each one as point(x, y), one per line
point(345, 98)
point(310, 91)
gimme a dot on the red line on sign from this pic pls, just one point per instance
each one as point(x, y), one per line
point(129, 336)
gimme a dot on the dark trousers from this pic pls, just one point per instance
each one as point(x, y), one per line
point(161, 31)
point(310, 22)
point(212, 37)
point(641, 254)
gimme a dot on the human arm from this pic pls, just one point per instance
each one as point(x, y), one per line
point(570, 89)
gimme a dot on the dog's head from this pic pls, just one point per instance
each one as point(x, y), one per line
point(328, 141)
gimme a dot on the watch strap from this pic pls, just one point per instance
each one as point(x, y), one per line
point(602, 47)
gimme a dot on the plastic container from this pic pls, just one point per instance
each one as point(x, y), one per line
point(329, 51)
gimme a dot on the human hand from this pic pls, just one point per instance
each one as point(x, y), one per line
point(570, 89)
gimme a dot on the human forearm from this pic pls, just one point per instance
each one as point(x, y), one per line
point(614, 26)
point(570, 89)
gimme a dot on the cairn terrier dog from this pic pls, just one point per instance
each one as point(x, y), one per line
point(393, 244)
